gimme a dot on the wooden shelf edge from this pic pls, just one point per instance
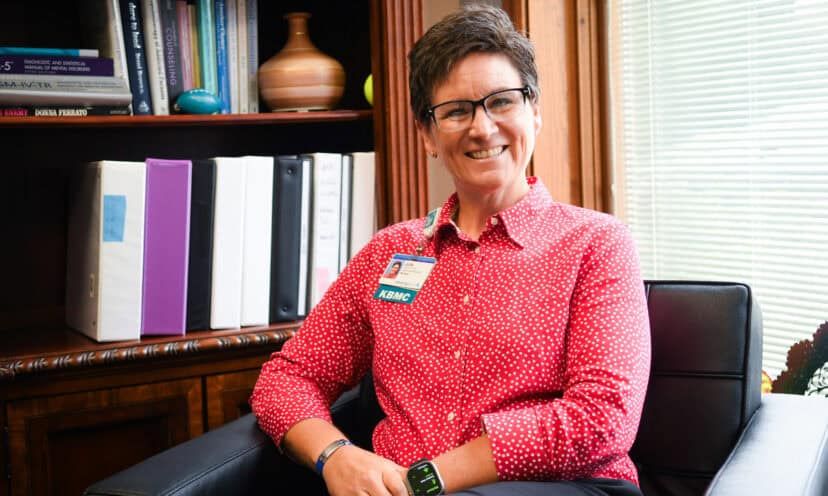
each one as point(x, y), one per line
point(190, 120)
point(146, 349)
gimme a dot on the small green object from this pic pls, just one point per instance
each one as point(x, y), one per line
point(368, 89)
point(197, 101)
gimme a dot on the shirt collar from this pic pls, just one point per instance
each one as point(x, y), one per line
point(518, 221)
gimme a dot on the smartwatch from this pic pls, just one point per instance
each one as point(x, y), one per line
point(423, 479)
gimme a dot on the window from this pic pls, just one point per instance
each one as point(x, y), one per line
point(720, 149)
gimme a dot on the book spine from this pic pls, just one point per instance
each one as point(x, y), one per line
point(232, 55)
point(305, 235)
point(182, 15)
point(62, 110)
point(66, 66)
point(166, 246)
point(222, 69)
point(207, 46)
point(286, 243)
point(172, 58)
point(199, 273)
point(57, 52)
point(345, 212)
point(241, 51)
point(123, 188)
point(116, 41)
point(46, 82)
point(258, 223)
point(228, 239)
point(155, 56)
point(252, 56)
point(195, 45)
point(327, 190)
point(136, 57)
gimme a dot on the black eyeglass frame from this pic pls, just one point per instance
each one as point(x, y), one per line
point(526, 91)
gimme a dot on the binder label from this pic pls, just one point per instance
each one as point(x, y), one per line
point(114, 218)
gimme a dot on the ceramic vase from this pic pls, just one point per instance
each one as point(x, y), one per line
point(300, 77)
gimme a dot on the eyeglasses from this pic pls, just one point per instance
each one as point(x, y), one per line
point(500, 106)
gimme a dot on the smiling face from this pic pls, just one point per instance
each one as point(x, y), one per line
point(489, 158)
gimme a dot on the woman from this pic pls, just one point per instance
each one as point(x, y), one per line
point(524, 354)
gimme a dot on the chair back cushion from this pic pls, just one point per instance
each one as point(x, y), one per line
point(705, 382)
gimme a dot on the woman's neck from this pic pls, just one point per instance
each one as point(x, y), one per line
point(474, 209)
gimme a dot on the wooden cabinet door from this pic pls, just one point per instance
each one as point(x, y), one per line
point(227, 396)
point(62, 444)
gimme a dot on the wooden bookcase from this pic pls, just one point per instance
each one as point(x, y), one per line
point(73, 411)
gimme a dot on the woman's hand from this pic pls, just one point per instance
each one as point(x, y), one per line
point(353, 471)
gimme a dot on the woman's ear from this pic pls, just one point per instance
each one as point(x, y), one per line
point(428, 140)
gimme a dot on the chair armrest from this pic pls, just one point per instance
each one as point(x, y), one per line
point(783, 450)
point(236, 458)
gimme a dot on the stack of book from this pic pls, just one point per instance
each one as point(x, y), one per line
point(170, 246)
point(143, 54)
point(176, 45)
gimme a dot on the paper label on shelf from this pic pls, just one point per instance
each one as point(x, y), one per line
point(114, 218)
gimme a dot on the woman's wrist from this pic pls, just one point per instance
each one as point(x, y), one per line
point(329, 450)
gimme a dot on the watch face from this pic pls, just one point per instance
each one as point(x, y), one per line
point(423, 479)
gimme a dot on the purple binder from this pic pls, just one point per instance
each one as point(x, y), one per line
point(166, 247)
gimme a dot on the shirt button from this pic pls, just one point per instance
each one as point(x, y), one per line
point(451, 416)
point(476, 249)
point(457, 354)
point(466, 299)
point(494, 221)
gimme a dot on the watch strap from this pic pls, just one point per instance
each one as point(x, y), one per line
point(328, 451)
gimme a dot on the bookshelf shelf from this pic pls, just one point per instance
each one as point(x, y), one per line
point(273, 118)
point(41, 351)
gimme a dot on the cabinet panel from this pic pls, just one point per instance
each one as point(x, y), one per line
point(227, 396)
point(60, 445)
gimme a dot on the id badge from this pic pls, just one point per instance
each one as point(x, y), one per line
point(403, 278)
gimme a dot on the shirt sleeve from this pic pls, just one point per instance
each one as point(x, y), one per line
point(328, 355)
point(607, 366)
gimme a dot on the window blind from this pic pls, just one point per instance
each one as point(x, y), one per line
point(720, 149)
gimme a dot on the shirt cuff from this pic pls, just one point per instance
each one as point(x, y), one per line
point(518, 444)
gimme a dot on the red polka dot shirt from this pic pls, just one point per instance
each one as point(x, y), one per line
point(536, 334)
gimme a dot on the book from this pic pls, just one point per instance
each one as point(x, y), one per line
point(345, 212)
point(222, 61)
point(305, 230)
point(232, 55)
point(258, 211)
point(166, 246)
point(184, 44)
point(325, 228)
point(195, 44)
point(101, 27)
point(287, 220)
point(154, 39)
point(105, 251)
point(200, 267)
point(136, 57)
point(363, 220)
point(62, 110)
point(48, 64)
point(242, 71)
point(58, 52)
point(207, 46)
point(228, 236)
point(172, 58)
point(252, 56)
point(38, 89)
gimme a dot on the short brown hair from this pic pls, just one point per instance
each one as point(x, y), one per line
point(474, 28)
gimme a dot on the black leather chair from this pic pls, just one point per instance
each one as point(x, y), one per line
point(705, 429)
